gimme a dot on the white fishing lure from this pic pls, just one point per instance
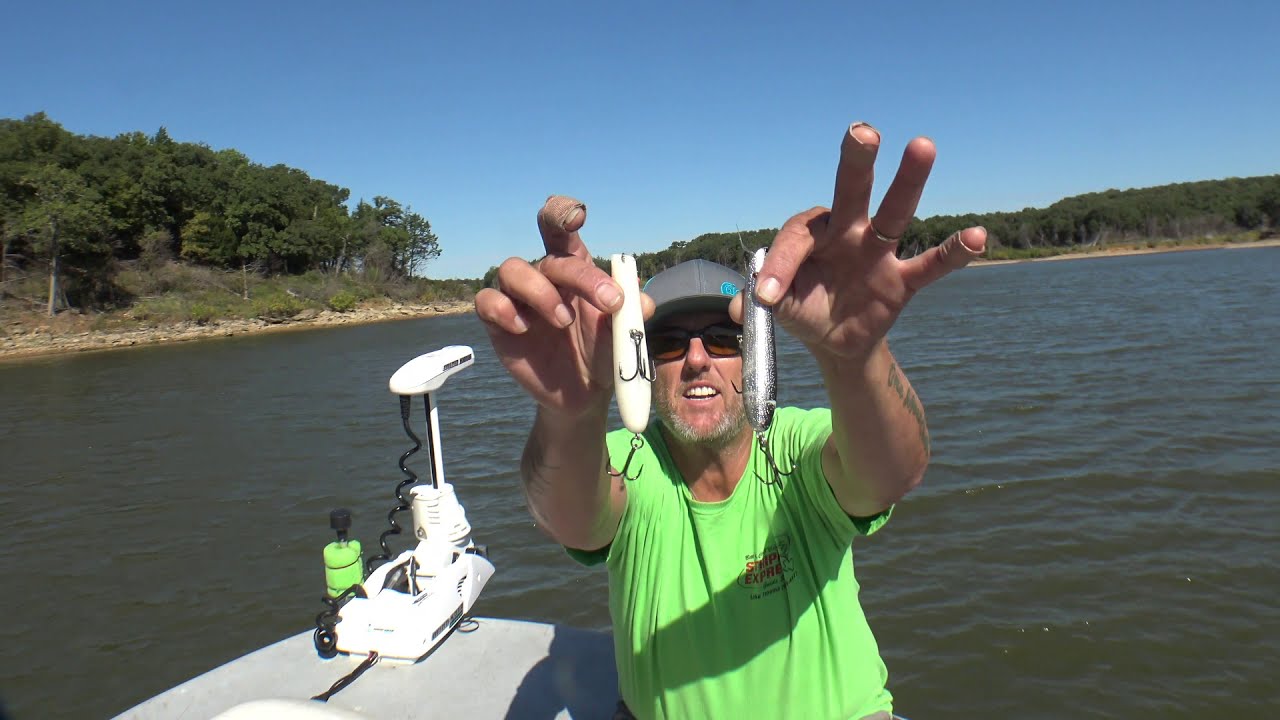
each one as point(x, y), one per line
point(630, 350)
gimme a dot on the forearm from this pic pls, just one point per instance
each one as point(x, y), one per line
point(569, 494)
point(879, 445)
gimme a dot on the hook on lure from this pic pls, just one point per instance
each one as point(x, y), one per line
point(637, 442)
point(632, 390)
point(644, 367)
point(775, 473)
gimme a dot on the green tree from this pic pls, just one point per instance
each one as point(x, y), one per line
point(398, 241)
point(67, 219)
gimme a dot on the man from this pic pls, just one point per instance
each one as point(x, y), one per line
point(731, 591)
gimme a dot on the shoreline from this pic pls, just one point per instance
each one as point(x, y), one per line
point(38, 342)
point(19, 342)
point(1124, 252)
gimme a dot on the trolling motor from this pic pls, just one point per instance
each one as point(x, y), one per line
point(401, 608)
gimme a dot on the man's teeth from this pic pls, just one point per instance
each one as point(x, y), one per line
point(700, 392)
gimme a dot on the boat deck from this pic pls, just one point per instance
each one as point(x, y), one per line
point(501, 669)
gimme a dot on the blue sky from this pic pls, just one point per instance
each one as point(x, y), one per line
point(668, 120)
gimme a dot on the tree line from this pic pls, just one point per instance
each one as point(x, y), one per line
point(1168, 212)
point(80, 206)
point(77, 208)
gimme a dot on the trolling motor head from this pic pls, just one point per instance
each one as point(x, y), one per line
point(427, 373)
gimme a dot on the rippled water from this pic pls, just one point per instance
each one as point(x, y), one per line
point(1096, 536)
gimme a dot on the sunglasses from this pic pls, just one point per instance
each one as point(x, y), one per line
point(718, 340)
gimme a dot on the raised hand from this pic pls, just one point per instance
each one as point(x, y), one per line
point(832, 275)
point(550, 321)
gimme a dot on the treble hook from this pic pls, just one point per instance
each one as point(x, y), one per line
point(776, 473)
point(637, 337)
point(637, 442)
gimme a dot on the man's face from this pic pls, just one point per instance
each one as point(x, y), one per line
point(695, 394)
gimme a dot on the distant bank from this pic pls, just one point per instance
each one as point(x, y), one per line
point(34, 336)
point(72, 334)
point(1121, 251)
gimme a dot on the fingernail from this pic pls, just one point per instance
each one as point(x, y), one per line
point(569, 216)
point(769, 290)
point(522, 327)
point(564, 318)
point(975, 251)
point(609, 295)
point(868, 126)
point(559, 210)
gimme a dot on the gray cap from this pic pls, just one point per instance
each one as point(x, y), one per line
point(691, 287)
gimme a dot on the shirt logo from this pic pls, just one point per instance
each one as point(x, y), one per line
point(769, 570)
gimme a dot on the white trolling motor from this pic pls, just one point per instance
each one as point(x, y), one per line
point(401, 608)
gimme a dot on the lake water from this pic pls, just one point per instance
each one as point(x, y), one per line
point(1097, 536)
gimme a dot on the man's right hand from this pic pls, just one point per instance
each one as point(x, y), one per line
point(550, 322)
point(551, 325)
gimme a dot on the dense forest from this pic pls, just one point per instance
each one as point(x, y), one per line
point(78, 209)
point(93, 222)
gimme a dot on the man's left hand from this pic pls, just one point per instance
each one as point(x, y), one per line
point(832, 276)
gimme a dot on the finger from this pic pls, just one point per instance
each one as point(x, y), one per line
point(735, 307)
point(581, 277)
point(647, 306)
point(498, 312)
point(954, 253)
point(559, 221)
point(525, 286)
point(791, 247)
point(899, 204)
point(854, 176)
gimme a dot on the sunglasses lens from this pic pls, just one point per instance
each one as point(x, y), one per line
point(673, 344)
point(668, 347)
point(722, 344)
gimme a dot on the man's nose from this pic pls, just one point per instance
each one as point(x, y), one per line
point(696, 358)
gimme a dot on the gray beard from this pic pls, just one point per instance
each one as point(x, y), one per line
point(722, 435)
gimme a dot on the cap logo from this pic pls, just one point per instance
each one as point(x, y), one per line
point(728, 288)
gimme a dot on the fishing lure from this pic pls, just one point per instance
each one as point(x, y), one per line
point(759, 364)
point(759, 359)
point(631, 353)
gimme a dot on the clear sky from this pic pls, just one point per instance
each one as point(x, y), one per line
point(668, 120)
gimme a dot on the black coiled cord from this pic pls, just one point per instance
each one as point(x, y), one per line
point(326, 636)
point(410, 479)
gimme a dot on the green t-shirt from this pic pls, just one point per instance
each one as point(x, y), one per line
point(747, 607)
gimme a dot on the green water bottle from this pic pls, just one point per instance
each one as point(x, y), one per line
point(342, 563)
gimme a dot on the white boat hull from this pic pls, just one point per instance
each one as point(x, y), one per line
point(502, 669)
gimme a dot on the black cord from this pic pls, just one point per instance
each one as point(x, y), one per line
point(350, 678)
point(326, 637)
point(403, 504)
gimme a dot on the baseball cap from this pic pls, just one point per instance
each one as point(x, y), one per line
point(692, 286)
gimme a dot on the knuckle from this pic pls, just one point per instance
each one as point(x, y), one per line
point(510, 266)
point(587, 275)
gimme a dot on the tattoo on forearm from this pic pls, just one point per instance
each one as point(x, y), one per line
point(535, 473)
point(909, 400)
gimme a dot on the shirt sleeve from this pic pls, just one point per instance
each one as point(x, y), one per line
point(808, 431)
point(589, 557)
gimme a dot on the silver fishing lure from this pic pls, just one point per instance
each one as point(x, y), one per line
point(759, 359)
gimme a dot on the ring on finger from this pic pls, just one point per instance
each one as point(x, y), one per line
point(882, 237)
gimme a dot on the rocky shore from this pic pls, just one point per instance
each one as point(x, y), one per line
point(26, 337)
